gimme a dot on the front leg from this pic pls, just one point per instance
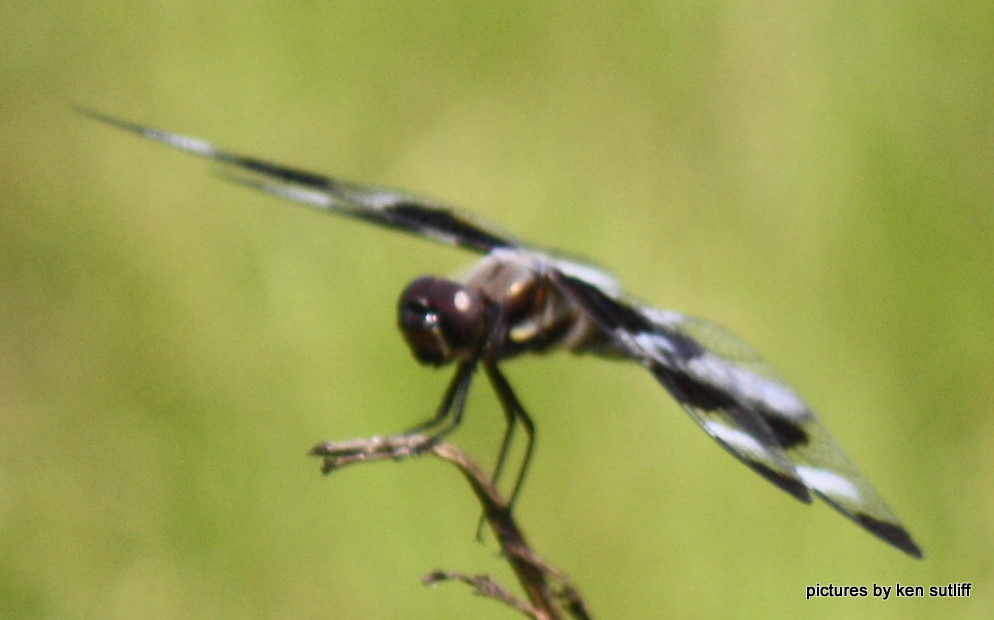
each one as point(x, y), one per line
point(412, 442)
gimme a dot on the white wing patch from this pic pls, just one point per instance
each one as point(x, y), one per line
point(829, 483)
point(716, 371)
point(741, 441)
point(660, 348)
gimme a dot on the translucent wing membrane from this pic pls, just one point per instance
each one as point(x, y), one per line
point(384, 207)
point(741, 402)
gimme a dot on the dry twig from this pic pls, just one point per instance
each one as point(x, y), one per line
point(551, 596)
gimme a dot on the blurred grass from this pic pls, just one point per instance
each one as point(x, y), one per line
point(816, 177)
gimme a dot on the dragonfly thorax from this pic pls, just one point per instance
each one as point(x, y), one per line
point(529, 312)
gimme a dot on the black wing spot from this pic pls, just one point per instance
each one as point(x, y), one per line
point(276, 171)
point(787, 433)
point(691, 392)
point(611, 314)
point(414, 216)
point(791, 485)
point(892, 533)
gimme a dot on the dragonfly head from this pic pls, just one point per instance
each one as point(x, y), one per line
point(441, 320)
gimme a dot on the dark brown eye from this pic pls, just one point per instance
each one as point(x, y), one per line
point(440, 319)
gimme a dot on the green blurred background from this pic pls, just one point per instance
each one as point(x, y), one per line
point(817, 177)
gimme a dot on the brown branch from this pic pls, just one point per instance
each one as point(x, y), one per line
point(551, 596)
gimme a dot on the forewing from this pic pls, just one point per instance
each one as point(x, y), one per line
point(741, 402)
point(384, 207)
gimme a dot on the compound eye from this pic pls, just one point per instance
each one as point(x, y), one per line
point(440, 319)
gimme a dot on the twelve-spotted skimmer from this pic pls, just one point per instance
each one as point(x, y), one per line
point(519, 299)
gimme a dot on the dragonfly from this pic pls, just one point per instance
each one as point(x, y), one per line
point(519, 299)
